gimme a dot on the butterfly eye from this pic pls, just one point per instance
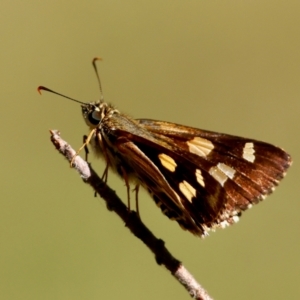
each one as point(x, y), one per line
point(94, 117)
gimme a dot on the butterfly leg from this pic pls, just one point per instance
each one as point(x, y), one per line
point(86, 149)
point(105, 173)
point(125, 177)
point(87, 140)
point(136, 189)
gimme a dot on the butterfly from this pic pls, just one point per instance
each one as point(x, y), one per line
point(202, 179)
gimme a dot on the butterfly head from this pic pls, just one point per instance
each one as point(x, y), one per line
point(94, 113)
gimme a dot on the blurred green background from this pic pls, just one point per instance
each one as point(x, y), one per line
point(227, 66)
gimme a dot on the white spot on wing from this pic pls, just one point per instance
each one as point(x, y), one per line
point(200, 146)
point(248, 152)
point(168, 162)
point(224, 224)
point(235, 219)
point(228, 171)
point(221, 172)
point(187, 190)
point(199, 177)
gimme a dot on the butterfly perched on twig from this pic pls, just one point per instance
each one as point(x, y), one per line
point(201, 179)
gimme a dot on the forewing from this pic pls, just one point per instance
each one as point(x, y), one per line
point(255, 167)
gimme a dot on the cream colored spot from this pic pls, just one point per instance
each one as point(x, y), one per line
point(187, 190)
point(168, 162)
point(226, 170)
point(235, 219)
point(221, 173)
point(224, 224)
point(199, 177)
point(200, 146)
point(248, 152)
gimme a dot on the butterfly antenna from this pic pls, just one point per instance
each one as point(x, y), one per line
point(98, 77)
point(40, 88)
